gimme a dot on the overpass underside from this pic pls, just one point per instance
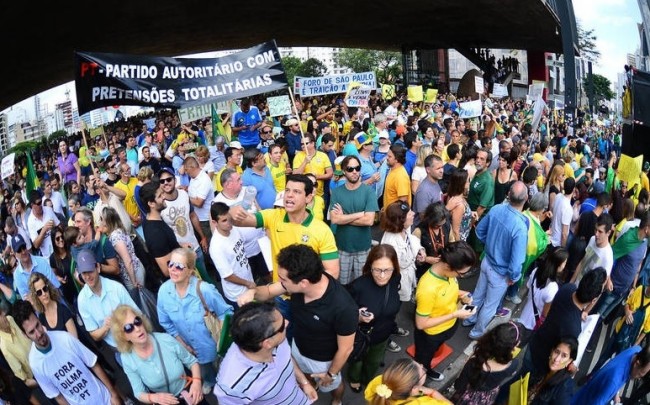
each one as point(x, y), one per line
point(40, 41)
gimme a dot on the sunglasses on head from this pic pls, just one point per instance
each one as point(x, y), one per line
point(279, 330)
point(130, 327)
point(166, 180)
point(176, 265)
point(404, 207)
point(351, 169)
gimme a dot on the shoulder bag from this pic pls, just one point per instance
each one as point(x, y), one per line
point(211, 320)
point(362, 336)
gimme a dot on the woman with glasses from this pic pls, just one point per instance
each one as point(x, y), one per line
point(52, 313)
point(396, 223)
point(180, 311)
point(155, 363)
point(61, 264)
point(376, 294)
point(438, 303)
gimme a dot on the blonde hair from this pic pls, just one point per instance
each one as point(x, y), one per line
point(556, 172)
point(117, 327)
point(423, 152)
point(53, 291)
point(145, 173)
point(190, 258)
point(399, 377)
point(202, 151)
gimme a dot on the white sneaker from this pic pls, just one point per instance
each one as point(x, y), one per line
point(206, 388)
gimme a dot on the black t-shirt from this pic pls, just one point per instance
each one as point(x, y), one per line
point(62, 316)
point(159, 237)
point(318, 323)
point(564, 319)
point(366, 293)
point(63, 270)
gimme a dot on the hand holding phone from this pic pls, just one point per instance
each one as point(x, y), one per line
point(365, 313)
point(470, 308)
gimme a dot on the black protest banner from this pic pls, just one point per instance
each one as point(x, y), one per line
point(107, 79)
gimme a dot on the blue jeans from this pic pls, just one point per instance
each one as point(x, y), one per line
point(489, 291)
point(607, 303)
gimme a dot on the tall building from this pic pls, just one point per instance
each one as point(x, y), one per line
point(325, 55)
point(4, 134)
point(644, 35)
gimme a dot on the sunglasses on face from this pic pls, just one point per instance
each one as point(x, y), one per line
point(266, 132)
point(166, 180)
point(351, 169)
point(41, 291)
point(58, 238)
point(130, 327)
point(176, 265)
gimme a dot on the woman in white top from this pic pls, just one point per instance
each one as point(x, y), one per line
point(396, 223)
point(542, 287)
point(419, 172)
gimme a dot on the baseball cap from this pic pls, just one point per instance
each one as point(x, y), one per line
point(323, 124)
point(17, 242)
point(291, 121)
point(602, 170)
point(361, 139)
point(166, 170)
point(384, 134)
point(86, 261)
point(236, 145)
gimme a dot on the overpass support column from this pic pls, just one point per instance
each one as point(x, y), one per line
point(537, 69)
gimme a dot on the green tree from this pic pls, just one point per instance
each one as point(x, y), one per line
point(587, 44)
point(312, 67)
point(291, 65)
point(602, 87)
point(386, 65)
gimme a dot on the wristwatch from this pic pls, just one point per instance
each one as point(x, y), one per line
point(332, 376)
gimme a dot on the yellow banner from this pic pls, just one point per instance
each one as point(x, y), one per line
point(387, 91)
point(629, 170)
point(415, 94)
point(96, 131)
point(432, 95)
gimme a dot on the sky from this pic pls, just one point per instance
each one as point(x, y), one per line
point(614, 22)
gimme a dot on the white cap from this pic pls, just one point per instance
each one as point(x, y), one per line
point(236, 145)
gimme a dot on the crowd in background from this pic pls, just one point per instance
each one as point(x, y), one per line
point(329, 219)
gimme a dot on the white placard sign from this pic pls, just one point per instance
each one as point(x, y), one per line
point(358, 96)
point(479, 86)
point(8, 165)
point(317, 86)
point(198, 112)
point(500, 90)
point(280, 105)
point(470, 109)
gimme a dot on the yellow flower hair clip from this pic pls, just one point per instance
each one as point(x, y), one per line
point(383, 391)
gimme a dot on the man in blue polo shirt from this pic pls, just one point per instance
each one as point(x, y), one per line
point(246, 124)
point(28, 264)
point(259, 176)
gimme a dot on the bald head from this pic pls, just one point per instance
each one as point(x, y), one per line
point(518, 194)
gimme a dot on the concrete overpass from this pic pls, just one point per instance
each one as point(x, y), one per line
point(40, 40)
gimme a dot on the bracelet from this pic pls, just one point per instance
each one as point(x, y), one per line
point(196, 378)
point(332, 376)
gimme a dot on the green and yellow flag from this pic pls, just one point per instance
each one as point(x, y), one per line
point(31, 181)
point(537, 242)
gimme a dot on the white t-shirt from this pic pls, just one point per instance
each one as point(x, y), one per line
point(227, 253)
point(542, 297)
point(35, 225)
point(177, 216)
point(57, 202)
point(562, 214)
point(391, 113)
point(419, 173)
point(65, 370)
point(153, 150)
point(250, 235)
point(201, 187)
point(598, 257)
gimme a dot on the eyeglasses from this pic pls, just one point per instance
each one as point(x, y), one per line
point(463, 274)
point(279, 330)
point(351, 169)
point(382, 271)
point(130, 327)
point(41, 291)
point(167, 180)
point(176, 265)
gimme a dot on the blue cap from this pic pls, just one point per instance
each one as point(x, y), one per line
point(17, 242)
point(86, 261)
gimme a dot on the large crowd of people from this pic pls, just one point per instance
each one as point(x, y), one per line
point(118, 248)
